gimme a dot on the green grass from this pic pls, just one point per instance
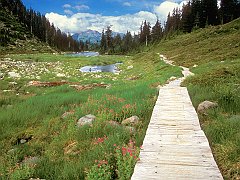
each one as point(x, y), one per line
point(35, 112)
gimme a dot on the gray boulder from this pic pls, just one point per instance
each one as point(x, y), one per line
point(134, 120)
point(205, 105)
point(88, 119)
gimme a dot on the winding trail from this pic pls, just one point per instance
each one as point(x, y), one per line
point(175, 147)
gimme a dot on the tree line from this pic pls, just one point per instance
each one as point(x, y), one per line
point(40, 27)
point(129, 42)
point(193, 15)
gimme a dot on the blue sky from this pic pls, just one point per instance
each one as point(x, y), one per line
point(104, 7)
point(79, 15)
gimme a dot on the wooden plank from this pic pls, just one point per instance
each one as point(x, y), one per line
point(175, 147)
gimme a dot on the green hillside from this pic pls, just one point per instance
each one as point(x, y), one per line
point(213, 54)
point(15, 37)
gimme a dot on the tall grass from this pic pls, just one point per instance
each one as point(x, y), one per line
point(221, 84)
point(66, 151)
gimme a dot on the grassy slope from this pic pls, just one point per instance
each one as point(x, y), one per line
point(216, 51)
point(36, 112)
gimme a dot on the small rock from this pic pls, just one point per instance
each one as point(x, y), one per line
point(88, 119)
point(130, 67)
point(12, 151)
point(23, 141)
point(7, 59)
point(134, 120)
point(60, 75)
point(205, 105)
point(195, 65)
point(172, 78)
point(14, 75)
point(159, 87)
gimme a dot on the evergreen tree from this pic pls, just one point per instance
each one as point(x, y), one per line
point(127, 42)
point(109, 40)
point(145, 32)
point(210, 12)
point(229, 10)
point(117, 43)
point(157, 32)
point(103, 43)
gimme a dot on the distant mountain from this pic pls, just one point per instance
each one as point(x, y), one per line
point(92, 36)
point(89, 35)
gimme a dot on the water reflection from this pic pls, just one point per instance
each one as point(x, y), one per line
point(86, 54)
point(108, 68)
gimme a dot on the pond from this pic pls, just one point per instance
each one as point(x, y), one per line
point(86, 54)
point(108, 68)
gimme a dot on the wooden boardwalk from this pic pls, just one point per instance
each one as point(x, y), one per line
point(175, 147)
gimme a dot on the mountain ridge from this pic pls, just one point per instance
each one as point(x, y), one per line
point(92, 36)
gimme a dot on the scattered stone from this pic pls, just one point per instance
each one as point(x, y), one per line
point(7, 59)
point(159, 87)
point(60, 75)
point(12, 151)
point(172, 78)
point(86, 120)
point(13, 83)
point(205, 105)
point(134, 120)
point(1, 75)
point(195, 65)
point(130, 67)
point(23, 141)
point(14, 75)
point(7, 90)
point(108, 86)
point(66, 114)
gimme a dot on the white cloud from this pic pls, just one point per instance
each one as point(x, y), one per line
point(67, 11)
point(83, 21)
point(165, 7)
point(81, 7)
point(128, 4)
point(67, 6)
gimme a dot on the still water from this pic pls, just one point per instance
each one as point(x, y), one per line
point(86, 54)
point(108, 68)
